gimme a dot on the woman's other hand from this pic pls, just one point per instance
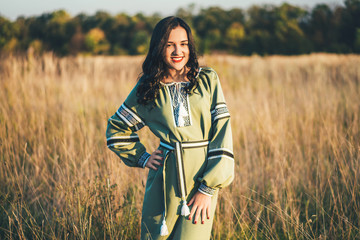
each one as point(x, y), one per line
point(201, 204)
point(155, 160)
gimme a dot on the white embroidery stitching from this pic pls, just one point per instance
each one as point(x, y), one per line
point(180, 104)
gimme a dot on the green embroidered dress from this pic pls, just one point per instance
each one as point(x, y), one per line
point(195, 137)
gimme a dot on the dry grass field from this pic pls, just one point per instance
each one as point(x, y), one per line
point(296, 137)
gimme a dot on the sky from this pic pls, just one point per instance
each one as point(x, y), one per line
point(12, 9)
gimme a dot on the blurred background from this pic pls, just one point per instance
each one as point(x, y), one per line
point(235, 27)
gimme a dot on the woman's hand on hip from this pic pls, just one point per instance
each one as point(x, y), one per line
point(201, 205)
point(155, 160)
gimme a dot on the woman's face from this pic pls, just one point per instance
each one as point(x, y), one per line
point(177, 49)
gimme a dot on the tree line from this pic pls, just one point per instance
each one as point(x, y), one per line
point(264, 30)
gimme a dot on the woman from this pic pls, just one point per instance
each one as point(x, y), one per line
point(185, 108)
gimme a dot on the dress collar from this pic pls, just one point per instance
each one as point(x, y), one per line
point(171, 83)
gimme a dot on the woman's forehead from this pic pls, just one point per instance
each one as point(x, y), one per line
point(178, 34)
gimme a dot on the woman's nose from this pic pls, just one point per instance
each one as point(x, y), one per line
point(177, 50)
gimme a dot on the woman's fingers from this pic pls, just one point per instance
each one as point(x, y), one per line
point(197, 214)
point(208, 212)
point(158, 157)
point(200, 205)
point(191, 201)
point(155, 160)
point(158, 151)
point(203, 215)
point(193, 208)
point(150, 165)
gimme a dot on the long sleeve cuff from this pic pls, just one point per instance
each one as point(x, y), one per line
point(143, 160)
point(206, 190)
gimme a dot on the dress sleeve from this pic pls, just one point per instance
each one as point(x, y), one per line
point(219, 171)
point(121, 133)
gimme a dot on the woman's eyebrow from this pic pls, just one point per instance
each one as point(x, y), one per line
point(180, 41)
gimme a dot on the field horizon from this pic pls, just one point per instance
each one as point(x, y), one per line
point(295, 122)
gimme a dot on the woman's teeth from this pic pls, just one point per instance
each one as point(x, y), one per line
point(177, 59)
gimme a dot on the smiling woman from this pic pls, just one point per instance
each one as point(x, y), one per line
point(183, 105)
point(172, 57)
point(177, 51)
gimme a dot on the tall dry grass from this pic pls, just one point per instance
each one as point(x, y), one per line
point(296, 140)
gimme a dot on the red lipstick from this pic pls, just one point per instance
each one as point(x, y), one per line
point(177, 59)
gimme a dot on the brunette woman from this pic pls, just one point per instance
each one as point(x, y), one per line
point(184, 106)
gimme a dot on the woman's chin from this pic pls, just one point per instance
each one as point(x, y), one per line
point(176, 67)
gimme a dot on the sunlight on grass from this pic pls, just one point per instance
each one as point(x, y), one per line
point(296, 137)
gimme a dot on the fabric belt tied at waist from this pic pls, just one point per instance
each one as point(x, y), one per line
point(195, 144)
point(185, 211)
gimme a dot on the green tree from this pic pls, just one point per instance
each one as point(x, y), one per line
point(23, 34)
point(187, 13)
point(140, 42)
point(118, 37)
point(58, 33)
point(266, 29)
point(234, 36)
point(95, 41)
point(236, 15)
point(275, 30)
point(36, 47)
point(8, 36)
point(211, 24)
point(260, 29)
point(289, 38)
point(320, 27)
point(77, 42)
point(350, 22)
point(357, 41)
point(37, 27)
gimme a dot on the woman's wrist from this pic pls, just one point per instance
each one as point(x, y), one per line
point(204, 189)
point(144, 158)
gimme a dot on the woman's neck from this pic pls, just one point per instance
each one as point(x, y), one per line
point(176, 76)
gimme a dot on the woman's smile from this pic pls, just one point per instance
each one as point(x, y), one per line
point(177, 59)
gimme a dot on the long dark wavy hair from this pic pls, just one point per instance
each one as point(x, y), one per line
point(154, 67)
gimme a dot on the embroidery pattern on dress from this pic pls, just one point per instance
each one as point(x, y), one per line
point(206, 190)
point(122, 140)
point(220, 152)
point(220, 111)
point(130, 118)
point(143, 159)
point(180, 104)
